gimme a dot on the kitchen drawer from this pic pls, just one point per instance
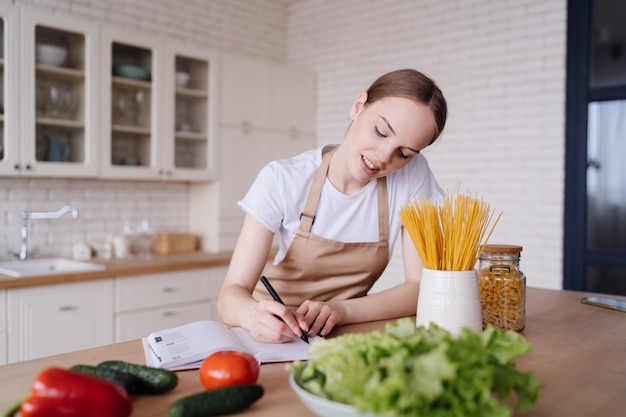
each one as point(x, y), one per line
point(135, 325)
point(51, 319)
point(156, 290)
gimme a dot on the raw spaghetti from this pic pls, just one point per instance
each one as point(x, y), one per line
point(449, 237)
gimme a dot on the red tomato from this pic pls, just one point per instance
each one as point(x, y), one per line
point(228, 367)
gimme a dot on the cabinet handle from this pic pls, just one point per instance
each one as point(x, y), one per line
point(67, 308)
point(28, 167)
point(294, 133)
point(169, 289)
point(17, 167)
point(246, 126)
point(169, 314)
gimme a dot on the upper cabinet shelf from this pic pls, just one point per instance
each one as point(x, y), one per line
point(188, 92)
point(44, 70)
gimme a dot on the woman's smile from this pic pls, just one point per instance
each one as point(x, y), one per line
point(368, 166)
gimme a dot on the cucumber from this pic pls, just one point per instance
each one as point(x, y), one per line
point(13, 410)
point(217, 402)
point(128, 381)
point(149, 380)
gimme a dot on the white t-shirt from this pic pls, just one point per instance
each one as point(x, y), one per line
point(279, 192)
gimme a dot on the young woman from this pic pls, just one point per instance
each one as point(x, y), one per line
point(335, 211)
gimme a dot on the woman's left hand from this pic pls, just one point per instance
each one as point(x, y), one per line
point(320, 316)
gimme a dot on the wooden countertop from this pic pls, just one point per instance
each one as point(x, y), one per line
point(125, 267)
point(578, 352)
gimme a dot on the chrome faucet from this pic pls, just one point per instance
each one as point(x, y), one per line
point(26, 215)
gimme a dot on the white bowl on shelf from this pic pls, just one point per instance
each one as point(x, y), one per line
point(51, 54)
point(182, 78)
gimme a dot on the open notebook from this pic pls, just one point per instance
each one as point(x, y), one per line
point(186, 346)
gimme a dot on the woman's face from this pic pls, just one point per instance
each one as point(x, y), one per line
point(386, 135)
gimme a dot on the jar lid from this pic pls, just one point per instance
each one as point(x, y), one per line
point(502, 248)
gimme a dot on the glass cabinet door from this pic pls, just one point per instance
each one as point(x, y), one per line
point(59, 96)
point(129, 80)
point(9, 140)
point(58, 103)
point(3, 156)
point(190, 154)
point(131, 90)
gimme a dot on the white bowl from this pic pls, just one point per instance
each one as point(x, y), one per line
point(182, 78)
point(323, 407)
point(51, 54)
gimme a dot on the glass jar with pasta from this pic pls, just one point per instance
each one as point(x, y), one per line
point(502, 287)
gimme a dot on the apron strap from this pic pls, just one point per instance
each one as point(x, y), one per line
point(383, 209)
point(308, 214)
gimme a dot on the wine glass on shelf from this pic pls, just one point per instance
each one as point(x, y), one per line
point(68, 102)
point(182, 115)
point(54, 99)
point(125, 105)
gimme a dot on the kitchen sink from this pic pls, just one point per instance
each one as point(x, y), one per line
point(46, 266)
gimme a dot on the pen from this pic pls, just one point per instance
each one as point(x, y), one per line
point(276, 297)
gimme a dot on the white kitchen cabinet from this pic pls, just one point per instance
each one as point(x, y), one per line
point(266, 112)
point(58, 102)
point(243, 155)
point(153, 302)
point(9, 90)
point(245, 89)
point(153, 128)
point(51, 319)
point(116, 106)
point(292, 106)
point(3, 327)
point(257, 94)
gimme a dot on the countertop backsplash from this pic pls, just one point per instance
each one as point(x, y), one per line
point(104, 207)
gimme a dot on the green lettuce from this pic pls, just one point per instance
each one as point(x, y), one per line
point(418, 371)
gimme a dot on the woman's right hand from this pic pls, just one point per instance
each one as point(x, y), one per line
point(272, 322)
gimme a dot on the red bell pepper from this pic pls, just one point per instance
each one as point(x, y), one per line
point(58, 392)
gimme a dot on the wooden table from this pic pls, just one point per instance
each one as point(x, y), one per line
point(579, 353)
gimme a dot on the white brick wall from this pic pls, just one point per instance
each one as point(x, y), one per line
point(103, 206)
point(501, 65)
point(253, 27)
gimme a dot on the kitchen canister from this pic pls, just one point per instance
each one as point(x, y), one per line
point(450, 299)
point(120, 246)
point(502, 287)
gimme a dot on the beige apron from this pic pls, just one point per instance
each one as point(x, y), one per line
point(315, 268)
